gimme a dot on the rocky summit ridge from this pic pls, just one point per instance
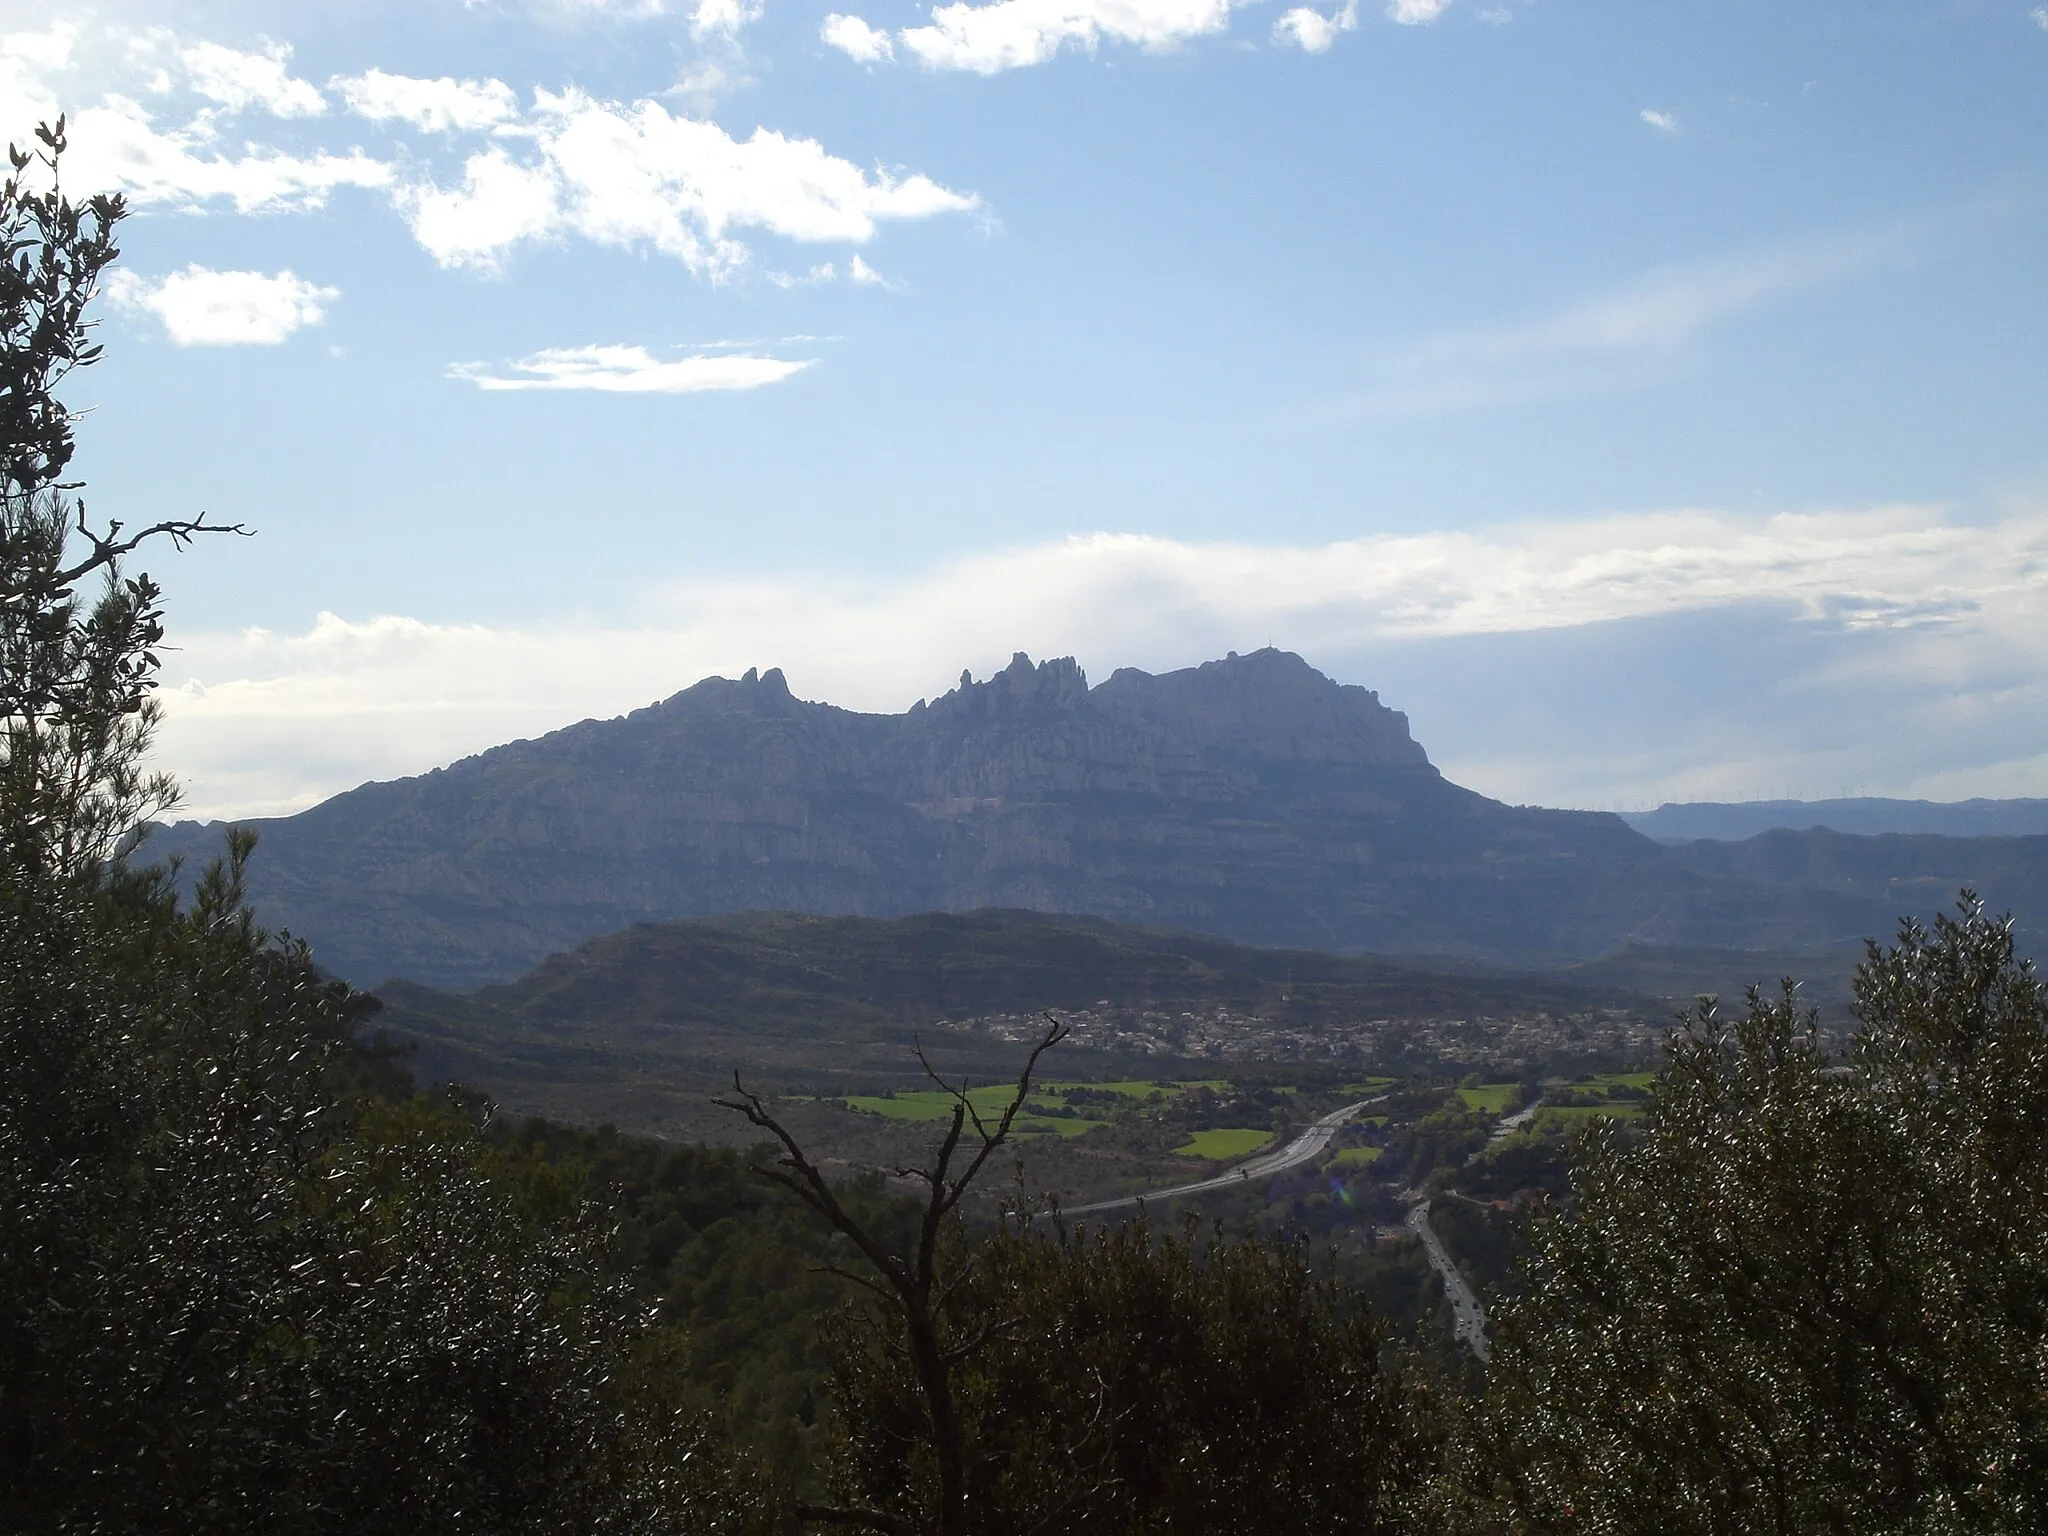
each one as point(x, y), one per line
point(1252, 798)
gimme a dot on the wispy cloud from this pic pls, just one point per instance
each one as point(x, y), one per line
point(1663, 122)
point(443, 105)
point(859, 271)
point(238, 81)
point(1016, 34)
point(1002, 35)
point(1013, 34)
point(1312, 31)
point(1606, 340)
point(203, 308)
point(725, 18)
point(856, 39)
point(1906, 599)
point(627, 370)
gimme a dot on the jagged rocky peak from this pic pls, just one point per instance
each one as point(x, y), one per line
point(1020, 688)
point(1270, 704)
point(754, 692)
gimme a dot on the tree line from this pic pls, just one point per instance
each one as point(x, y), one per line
point(250, 1280)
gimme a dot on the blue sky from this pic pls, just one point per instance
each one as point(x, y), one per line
point(1648, 399)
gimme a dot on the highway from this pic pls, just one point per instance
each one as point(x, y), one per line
point(1305, 1148)
point(1468, 1316)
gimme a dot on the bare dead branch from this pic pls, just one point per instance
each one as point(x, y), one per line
point(805, 1181)
point(989, 1142)
point(913, 1289)
point(110, 546)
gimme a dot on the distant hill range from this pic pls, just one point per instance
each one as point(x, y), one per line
point(1732, 822)
point(824, 997)
point(1250, 798)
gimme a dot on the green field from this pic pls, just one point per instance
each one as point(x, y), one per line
point(1357, 1157)
point(1368, 1086)
point(1139, 1088)
point(1227, 1143)
point(1488, 1099)
point(1620, 1080)
point(927, 1105)
point(1601, 1085)
point(932, 1104)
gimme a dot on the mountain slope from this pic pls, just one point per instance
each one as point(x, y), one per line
point(1252, 798)
point(1740, 820)
point(1908, 874)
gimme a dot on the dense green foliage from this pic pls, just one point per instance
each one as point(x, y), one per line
point(1130, 1382)
point(1803, 1296)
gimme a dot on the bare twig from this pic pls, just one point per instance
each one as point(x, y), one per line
point(912, 1288)
point(110, 546)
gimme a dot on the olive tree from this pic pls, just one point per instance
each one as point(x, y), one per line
point(1804, 1294)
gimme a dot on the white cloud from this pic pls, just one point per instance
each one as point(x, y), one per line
point(1015, 34)
point(203, 308)
point(499, 203)
point(2039, 15)
point(725, 18)
point(860, 272)
point(632, 370)
point(1495, 16)
point(856, 39)
point(433, 106)
point(1011, 34)
point(28, 60)
point(1892, 619)
point(1311, 30)
point(637, 176)
point(1663, 122)
point(238, 81)
point(706, 81)
point(632, 174)
point(1598, 342)
point(117, 147)
point(823, 272)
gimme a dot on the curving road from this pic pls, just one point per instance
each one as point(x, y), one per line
point(1305, 1148)
point(1468, 1313)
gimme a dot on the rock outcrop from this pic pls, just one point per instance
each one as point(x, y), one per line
point(1252, 798)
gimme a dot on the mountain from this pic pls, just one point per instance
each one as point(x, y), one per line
point(634, 1026)
point(1907, 874)
point(1251, 798)
point(1735, 822)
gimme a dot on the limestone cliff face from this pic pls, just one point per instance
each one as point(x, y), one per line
point(1251, 797)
